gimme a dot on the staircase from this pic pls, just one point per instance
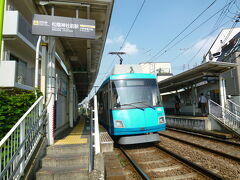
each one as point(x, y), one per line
point(226, 116)
point(65, 162)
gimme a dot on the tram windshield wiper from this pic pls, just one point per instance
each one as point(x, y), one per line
point(140, 102)
point(145, 104)
point(131, 104)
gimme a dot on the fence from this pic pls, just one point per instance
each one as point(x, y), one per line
point(20, 142)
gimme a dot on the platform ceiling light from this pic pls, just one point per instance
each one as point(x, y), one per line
point(43, 3)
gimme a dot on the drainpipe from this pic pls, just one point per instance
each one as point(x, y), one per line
point(2, 3)
point(37, 62)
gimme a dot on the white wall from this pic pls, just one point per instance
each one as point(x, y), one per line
point(218, 43)
point(161, 70)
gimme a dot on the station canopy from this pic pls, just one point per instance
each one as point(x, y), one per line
point(83, 55)
point(194, 76)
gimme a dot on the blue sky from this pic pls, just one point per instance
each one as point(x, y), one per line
point(157, 24)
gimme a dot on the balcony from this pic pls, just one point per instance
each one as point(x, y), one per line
point(14, 74)
point(15, 27)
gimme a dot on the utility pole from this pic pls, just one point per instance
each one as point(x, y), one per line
point(118, 54)
point(2, 3)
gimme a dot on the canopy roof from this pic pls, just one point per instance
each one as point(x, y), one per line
point(193, 76)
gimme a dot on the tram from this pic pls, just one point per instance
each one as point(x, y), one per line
point(130, 108)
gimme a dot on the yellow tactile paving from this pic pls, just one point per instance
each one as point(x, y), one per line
point(75, 137)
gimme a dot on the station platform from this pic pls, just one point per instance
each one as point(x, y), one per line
point(195, 123)
point(189, 122)
point(69, 157)
point(78, 135)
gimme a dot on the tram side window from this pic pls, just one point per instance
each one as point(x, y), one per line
point(115, 98)
point(105, 97)
point(100, 102)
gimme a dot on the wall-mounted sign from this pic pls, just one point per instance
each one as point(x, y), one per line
point(63, 26)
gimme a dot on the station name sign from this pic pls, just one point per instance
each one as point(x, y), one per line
point(63, 26)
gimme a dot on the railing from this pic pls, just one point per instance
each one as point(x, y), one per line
point(20, 142)
point(233, 107)
point(227, 117)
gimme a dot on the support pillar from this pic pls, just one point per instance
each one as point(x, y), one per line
point(71, 100)
point(194, 94)
point(96, 127)
point(222, 88)
point(51, 87)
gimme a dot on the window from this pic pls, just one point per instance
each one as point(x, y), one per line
point(132, 93)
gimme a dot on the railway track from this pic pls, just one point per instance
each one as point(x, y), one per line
point(206, 136)
point(221, 157)
point(155, 162)
point(220, 147)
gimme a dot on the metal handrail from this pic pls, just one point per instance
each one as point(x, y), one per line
point(224, 115)
point(17, 147)
point(235, 104)
point(233, 107)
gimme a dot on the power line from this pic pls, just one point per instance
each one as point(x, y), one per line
point(215, 29)
point(229, 32)
point(204, 44)
point(135, 19)
point(191, 32)
point(183, 30)
point(133, 23)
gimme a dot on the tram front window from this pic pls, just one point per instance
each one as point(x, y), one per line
point(139, 93)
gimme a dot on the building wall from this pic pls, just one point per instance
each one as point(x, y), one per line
point(20, 46)
point(161, 70)
point(219, 42)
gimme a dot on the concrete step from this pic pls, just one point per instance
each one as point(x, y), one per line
point(62, 174)
point(67, 160)
point(67, 149)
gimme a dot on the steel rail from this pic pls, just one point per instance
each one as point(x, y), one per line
point(204, 148)
point(194, 166)
point(135, 165)
point(204, 136)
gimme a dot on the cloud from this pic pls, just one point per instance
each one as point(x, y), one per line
point(116, 40)
point(204, 44)
point(130, 49)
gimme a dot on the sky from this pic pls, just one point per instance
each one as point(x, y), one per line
point(158, 22)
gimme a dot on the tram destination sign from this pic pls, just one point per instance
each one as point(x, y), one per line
point(63, 26)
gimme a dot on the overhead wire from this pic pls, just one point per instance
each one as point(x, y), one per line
point(214, 30)
point(229, 32)
point(235, 3)
point(183, 30)
point(123, 43)
point(215, 27)
point(191, 32)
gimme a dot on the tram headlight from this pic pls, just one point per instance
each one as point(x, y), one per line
point(161, 120)
point(118, 124)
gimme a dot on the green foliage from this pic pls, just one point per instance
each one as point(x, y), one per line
point(13, 104)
